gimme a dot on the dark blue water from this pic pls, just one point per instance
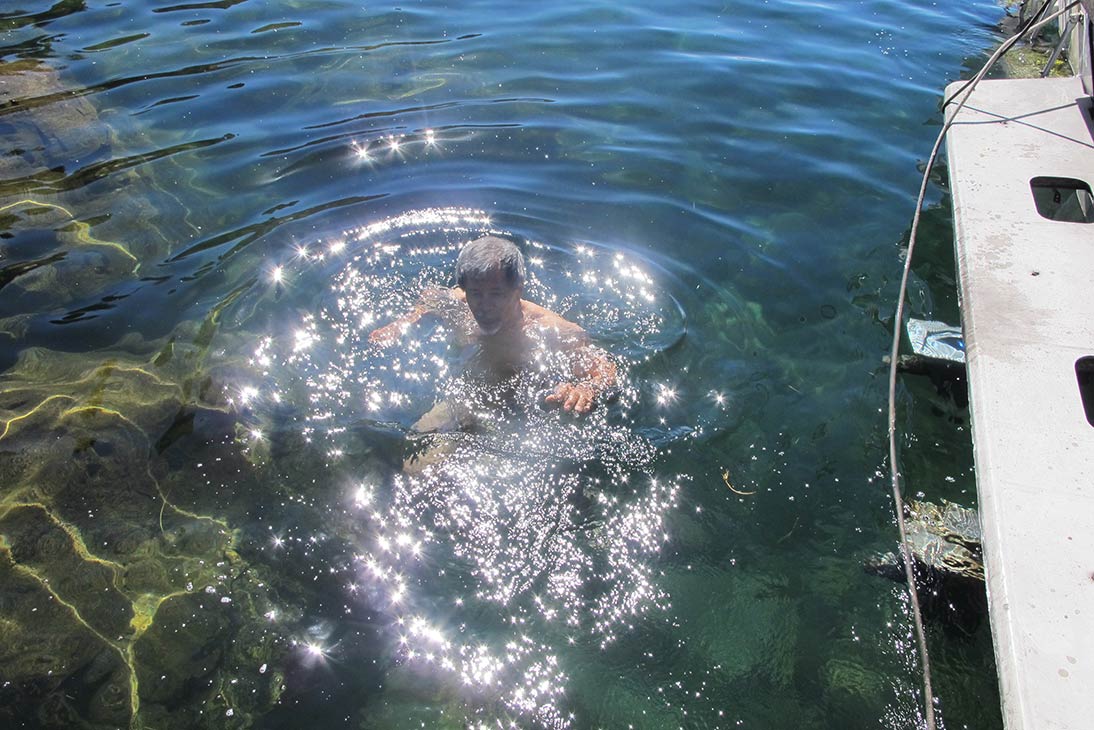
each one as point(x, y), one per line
point(206, 206)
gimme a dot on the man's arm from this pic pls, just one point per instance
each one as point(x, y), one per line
point(433, 300)
point(593, 371)
point(594, 374)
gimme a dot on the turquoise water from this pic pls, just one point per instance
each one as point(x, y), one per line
point(205, 207)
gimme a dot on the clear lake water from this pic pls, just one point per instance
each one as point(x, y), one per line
point(205, 207)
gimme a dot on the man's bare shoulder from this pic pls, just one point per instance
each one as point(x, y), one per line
point(548, 321)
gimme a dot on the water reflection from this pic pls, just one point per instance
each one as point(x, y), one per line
point(369, 275)
point(530, 532)
point(513, 547)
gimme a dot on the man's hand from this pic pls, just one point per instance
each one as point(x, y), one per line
point(573, 397)
point(387, 335)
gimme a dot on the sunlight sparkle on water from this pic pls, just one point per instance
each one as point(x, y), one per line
point(363, 496)
point(303, 339)
point(523, 669)
point(361, 151)
point(534, 518)
point(247, 394)
point(666, 394)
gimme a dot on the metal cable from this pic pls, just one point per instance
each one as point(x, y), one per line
point(964, 92)
point(1023, 28)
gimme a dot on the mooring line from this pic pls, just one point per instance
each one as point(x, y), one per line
point(964, 93)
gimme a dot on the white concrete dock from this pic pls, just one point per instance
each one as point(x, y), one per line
point(1027, 301)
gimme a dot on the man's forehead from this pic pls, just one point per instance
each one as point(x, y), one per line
point(493, 277)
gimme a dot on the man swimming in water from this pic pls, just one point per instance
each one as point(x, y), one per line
point(512, 334)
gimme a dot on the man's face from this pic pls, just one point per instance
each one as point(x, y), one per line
point(494, 302)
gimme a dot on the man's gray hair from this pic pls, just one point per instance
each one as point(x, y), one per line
point(485, 255)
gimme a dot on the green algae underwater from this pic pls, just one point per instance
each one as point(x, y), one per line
point(124, 601)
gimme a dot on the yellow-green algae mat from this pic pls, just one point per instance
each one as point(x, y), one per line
point(121, 603)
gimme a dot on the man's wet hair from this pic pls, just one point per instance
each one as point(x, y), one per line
point(488, 254)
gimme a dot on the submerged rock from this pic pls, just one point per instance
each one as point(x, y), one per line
point(120, 601)
point(58, 188)
point(944, 542)
point(853, 689)
point(45, 124)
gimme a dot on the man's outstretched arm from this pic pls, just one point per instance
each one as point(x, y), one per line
point(594, 375)
point(433, 300)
